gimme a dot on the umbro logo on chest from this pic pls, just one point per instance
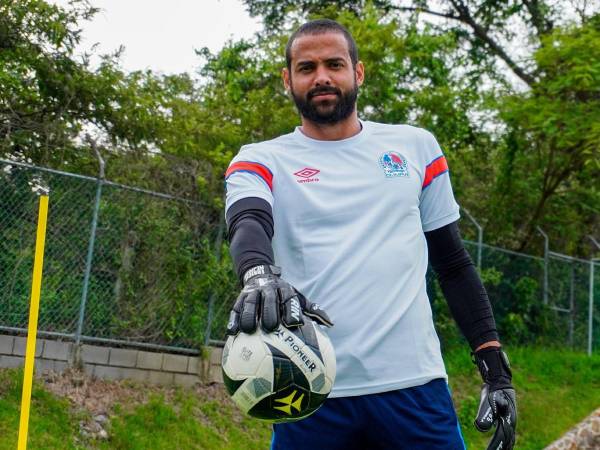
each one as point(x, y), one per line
point(307, 175)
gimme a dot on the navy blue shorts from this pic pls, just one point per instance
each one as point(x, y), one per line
point(421, 417)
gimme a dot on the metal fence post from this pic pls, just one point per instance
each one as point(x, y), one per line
point(90, 252)
point(546, 251)
point(479, 236)
point(591, 307)
point(213, 295)
point(572, 305)
point(591, 299)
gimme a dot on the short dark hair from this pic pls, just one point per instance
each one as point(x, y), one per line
point(321, 26)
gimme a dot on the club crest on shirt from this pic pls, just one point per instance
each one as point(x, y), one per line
point(393, 164)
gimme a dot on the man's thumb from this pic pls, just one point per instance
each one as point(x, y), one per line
point(485, 415)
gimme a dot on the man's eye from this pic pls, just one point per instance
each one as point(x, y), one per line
point(335, 65)
point(305, 69)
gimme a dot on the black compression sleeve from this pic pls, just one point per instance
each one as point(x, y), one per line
point(250, 226)
point(461, 285)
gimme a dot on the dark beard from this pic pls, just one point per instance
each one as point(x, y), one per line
point(344, 105)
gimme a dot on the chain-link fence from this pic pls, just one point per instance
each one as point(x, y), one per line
point(122, 265)
point(544, 300)
point(133, 267)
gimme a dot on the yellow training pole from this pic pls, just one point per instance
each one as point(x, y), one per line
point(33, 319)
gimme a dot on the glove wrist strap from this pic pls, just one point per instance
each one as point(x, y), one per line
point(493, 366)
point(262, 269)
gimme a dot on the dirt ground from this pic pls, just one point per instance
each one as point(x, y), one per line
point(97, 398)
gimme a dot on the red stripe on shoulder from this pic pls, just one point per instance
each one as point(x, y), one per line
point(434, 169)
point(254, 168)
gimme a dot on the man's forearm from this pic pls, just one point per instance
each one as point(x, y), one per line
point(462, 287)
point(250, 229)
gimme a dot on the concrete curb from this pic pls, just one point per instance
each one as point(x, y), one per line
point(115, 363)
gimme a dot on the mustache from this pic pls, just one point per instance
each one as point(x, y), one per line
point(323, 90)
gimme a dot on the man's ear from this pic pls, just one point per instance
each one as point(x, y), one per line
point(360, 73)
point(285, 76)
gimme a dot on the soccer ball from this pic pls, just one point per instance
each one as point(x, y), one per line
point(281, 376)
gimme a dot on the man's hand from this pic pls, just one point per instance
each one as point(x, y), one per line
point(498, 404)
point(268, 299)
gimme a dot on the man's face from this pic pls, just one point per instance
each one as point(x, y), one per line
point(323, 83)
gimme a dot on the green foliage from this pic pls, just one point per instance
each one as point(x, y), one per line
point(556, 137)
point(42, 90)
point(491, 277)
point(245, 94)
point(523, 314)
point(49, 98)
point(519, 157)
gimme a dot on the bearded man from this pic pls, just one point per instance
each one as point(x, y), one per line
point(349, 212)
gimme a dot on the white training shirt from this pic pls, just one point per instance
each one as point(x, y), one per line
point(349, 218)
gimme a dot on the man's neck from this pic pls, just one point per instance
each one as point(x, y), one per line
point(335, 132)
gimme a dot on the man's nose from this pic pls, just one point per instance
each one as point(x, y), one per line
point(322, 76)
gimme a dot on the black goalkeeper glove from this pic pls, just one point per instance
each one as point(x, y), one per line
point(498, 405)
point(268, 299)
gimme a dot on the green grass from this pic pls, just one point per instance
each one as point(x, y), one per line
point(556, 389)
point(186, 422)
point(52, 425)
